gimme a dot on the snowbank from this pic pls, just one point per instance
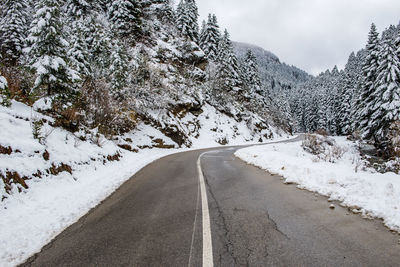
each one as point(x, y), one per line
point(31, 218)
point(29, 221)
point(372, 194)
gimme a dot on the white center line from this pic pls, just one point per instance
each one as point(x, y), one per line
point(207, 242)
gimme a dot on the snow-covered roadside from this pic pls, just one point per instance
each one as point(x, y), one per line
point(367, 192)
point(30, 220)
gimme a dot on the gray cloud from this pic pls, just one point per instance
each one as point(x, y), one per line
point(311, 34)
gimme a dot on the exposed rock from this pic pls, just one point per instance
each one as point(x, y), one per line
point(5, 150)
point(46, 155)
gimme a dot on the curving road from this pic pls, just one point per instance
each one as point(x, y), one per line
point(158, 218)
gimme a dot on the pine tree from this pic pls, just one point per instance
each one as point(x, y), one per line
point(347, 89)
point(193, 13)
point(389, 33)
point(322, 101)
point(166, 12)
point(228, 70)
point(187, 16)
point(210, 37)
point(386, 107)
point(356, 97)
point(182, 18)
point(119, 69)
point(397, 42)
point(333, 100)
point(47, 49)
point(78, 53)
point(80, 19)
point(368, 87)
point(202, 32)
point(98, 39)
point(126, 18)
point(77, 9)
point(13, 28)
point(102, 5)
point(251, 77)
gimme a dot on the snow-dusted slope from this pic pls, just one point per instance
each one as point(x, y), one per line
point(49, 184)
point(274, 73)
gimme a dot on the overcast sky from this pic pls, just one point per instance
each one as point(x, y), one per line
point(311, 34)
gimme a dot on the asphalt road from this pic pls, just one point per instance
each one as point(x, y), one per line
point(156, 219)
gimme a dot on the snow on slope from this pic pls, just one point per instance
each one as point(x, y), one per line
point(30, 217)
point(372, 194)
point(271, 68)
point(215, 129)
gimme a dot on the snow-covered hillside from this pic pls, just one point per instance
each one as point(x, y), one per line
point(275, 74)
point(49, 182)
point(344, 178)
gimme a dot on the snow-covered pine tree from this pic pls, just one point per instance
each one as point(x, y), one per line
point(386, 107)
point(210, 38)
point(126, 18)
point(77, 9)
point(165, 11)
point(348, 85)
point(47, 49)
point(98, 39)
point(251, 76)
point(187, 20)
point(397, 42)
point(355, 100)
point(228, 69)
point(79, 52)
point(119, 69)
point(202, 31)
point(332, 90)
point(13, 28)
point(366, 102)
point(312, 109)
point(193, 14)
point(389, 33)
point(79, 19)
point(101, 5)
point(181, 17)
point(322, 101)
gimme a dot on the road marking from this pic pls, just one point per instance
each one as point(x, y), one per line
point(207, 242)
point(194, 225)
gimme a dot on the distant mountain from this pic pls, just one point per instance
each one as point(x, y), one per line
point(275, 74)
point(241, 49)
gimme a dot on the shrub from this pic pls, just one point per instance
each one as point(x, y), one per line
point(4, 92)
point(322, 132)
point(100, 111)
point(355, 136)
point(18, 83)
point(37, 125)
point(393, 137)
point(323, 147)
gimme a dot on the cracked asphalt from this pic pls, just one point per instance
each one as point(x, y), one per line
point(256, 220)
